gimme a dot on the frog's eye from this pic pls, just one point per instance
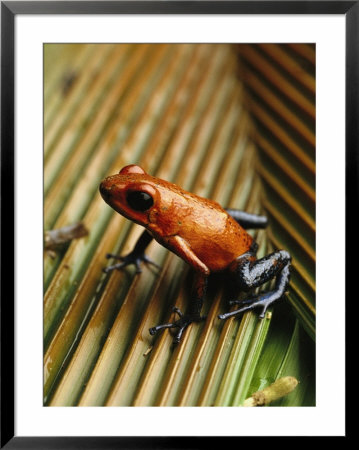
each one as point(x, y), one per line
point(139, 201)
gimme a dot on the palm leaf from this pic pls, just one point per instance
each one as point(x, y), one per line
point(181, 112)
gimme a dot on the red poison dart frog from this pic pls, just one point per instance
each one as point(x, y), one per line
point(202, 233)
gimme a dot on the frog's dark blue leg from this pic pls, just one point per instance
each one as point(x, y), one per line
point(247, 220)
point(135, 257)
point(253, 273)
point(194, 313)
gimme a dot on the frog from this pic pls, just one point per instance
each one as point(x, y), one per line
point(208, 237)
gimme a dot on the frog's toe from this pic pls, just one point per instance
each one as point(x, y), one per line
point(235, 313)
point(117, 266)
point(113, 255)
point(246, 301)
point(178, 335)
point(181, 324)
point(178, 311)
point(154, 330)
point(147, 260)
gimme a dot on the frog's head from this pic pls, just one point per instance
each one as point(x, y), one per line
point(131, 193)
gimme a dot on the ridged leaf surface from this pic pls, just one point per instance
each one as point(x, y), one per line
point(231, 123)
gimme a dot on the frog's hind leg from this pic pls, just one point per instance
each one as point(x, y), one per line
point(253, 273)
point(247, 220)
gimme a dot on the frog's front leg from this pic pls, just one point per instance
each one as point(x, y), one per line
point(252, 273)
point(199, 290)
point(135, 257)
point(193, 314)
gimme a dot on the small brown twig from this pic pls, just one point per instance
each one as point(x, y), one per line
point(59, 236)
point(281, 387)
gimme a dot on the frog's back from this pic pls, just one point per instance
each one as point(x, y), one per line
point(218, 239)
point(212, 234)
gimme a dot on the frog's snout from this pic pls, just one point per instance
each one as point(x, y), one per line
point(110, 189)
point(105, 190)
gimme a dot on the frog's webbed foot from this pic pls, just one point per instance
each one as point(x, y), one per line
point(262, 301)
point(253, 273)
point(132, 258)
point(136, 257)
point(182, 323)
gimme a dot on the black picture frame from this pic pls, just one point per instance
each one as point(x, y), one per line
point(9, 10)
